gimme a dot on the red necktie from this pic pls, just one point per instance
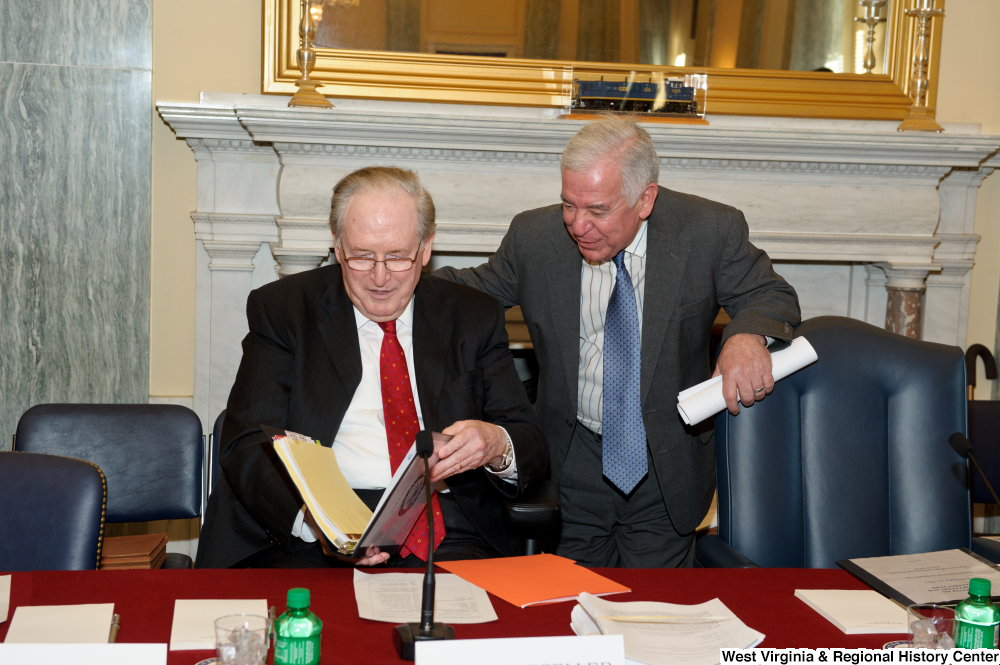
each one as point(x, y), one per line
point(401, 427)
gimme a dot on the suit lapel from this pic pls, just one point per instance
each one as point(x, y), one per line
point(339, 331)
point(431, 339)
point(666, 259)
point(564, 285)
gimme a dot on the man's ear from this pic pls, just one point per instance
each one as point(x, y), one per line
point(337, 250)
point(426, 255)
point(647, 199)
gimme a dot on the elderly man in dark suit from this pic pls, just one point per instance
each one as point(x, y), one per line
point(619, 287)
point(361, 356)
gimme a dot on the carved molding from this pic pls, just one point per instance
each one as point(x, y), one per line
point(221, 227)
point(231, 256)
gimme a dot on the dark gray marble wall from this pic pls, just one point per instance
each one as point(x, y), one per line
point(75, 136)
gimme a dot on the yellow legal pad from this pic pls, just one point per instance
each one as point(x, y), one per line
point(336, 507)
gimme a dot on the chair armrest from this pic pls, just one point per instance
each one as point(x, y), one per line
point(177, 561)
point(711, 551)
point(536, 514)
point(986, 548)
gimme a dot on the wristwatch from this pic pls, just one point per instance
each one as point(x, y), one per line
point(507, 459)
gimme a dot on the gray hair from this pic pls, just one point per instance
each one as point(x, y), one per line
point(619, 139)
point(387, 180)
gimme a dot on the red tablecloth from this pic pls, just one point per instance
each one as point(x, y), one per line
point(763, 598)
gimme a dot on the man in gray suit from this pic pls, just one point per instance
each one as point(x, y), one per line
point(619, 287)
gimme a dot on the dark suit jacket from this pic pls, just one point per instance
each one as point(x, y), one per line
point(301, 366)
point(698, 258)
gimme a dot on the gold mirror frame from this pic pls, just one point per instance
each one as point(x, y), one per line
point(424, 77)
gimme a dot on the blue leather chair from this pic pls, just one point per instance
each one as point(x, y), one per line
point(151, 454)
point(847, 458)
point(53, 513)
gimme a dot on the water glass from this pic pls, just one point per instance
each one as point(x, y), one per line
point(931, 626)
point(241, 639)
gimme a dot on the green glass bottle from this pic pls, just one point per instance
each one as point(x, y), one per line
point(977, 619)
point(297, 632)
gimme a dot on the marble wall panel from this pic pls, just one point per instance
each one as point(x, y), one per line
point(84, 33)
point(74, 236)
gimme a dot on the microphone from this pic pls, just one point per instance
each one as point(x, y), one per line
point(961, 444)
point(407, 635)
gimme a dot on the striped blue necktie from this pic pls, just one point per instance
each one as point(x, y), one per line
point(624, 435)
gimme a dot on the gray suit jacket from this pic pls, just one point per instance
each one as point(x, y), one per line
point(698, 258)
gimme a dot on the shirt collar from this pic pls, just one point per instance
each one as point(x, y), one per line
point(405, 319)
point(638, 245)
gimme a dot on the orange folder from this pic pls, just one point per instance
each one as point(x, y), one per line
point(533, 580)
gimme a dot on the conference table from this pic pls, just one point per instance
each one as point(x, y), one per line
point(763, 598)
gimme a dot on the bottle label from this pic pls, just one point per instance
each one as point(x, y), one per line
point(296, 650)
point(976, 636)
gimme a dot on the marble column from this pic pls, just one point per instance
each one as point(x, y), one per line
point(905, 285)
point(232, 267)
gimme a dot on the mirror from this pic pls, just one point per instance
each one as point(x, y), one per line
point(798, 35)
point(761, 56)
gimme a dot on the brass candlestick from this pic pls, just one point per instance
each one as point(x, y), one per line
point(306, 94)
point(920, 116)
point(873, 16)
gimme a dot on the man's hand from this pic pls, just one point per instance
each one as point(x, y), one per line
point(473, 444)
point(745, 366)
point(372, 557)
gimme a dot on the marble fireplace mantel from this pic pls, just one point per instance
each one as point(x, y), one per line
point(853, 211)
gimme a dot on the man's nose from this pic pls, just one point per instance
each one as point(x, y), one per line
point(380, 274)
point(579, 223)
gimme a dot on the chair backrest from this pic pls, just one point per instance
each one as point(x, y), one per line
point(214, 469)
point(848, 457)
point(53, 513)
point(151, 454)
point(984, 433)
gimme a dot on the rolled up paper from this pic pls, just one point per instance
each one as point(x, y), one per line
point(705, 399)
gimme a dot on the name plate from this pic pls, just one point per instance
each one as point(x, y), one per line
point(591, 650)
point(85, 654)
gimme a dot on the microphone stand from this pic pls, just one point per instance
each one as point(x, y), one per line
point(407, 635)
point(961, 444)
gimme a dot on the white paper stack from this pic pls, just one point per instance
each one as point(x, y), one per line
point(705, 399)
point(859, 612)
point(663, 633)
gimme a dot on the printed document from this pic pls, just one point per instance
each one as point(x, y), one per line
point(663, 633)
point(933, 577)
point(396, 598)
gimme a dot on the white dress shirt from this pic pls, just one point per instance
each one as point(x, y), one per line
point(597, 281)
point(361, 443)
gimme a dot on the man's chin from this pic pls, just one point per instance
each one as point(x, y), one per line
point(596, 254)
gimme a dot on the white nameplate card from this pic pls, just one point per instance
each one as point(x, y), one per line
point(4, 597)
point(85, 654)
point(595, 650)
point(193, 628)
point(61, 624)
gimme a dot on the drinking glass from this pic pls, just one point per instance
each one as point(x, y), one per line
point(932, 626)
point(241, 639)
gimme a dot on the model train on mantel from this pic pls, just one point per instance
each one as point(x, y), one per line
point(671, 96)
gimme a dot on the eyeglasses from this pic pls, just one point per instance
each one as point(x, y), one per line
point(362, 264)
